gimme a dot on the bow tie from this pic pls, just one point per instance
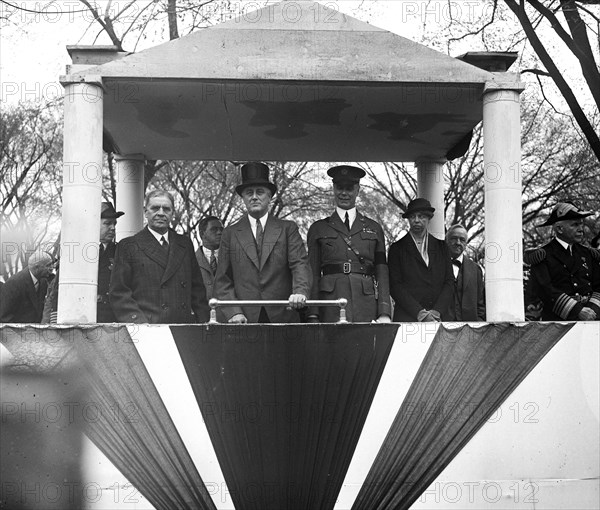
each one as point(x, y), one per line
point(456, 262)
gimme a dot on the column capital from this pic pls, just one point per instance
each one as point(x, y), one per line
point(130, 157)
point(79, 79)
point(425, 161)
point(504, 81)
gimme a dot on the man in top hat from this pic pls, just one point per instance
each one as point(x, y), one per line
point(261, 257)
point(468, 303)
point(421, 277)
point(22, 299)
point(347, 257)
point(156, 278)
point(106, 257)
point(565, 274)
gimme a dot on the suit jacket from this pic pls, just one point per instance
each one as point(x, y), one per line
point(416, 286)
point(104, 311)
point(564, 282)
point(326, 245)
point(19, 301)
point(149, 286)
point(282, 270)
point(207, 275)
point(469, 302)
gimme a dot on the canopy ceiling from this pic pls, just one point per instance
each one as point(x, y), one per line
point(293, 81)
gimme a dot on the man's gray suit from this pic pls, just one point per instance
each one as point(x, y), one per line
point(469, 302)
point(150, 286)
point(282, 270)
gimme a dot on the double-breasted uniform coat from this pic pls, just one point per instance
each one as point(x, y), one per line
point(349, 264)
point(282, 270)
point(149, 285)
point(565, 283)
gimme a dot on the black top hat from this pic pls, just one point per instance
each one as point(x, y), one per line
point(346, 173)
point(565, 211)
point(255, 174)
point(419, 205)
point(108, 211)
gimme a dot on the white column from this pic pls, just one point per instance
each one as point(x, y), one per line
point(430, 185)
point(82, 194)
point(503, 215)
point(130, 194)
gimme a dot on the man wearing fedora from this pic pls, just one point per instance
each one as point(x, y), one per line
point(421, 277)
point(261, 257)
point(347, 257)
point(156, 278)
point(565, 274)
point(106, 257)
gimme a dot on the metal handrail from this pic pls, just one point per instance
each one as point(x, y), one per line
point(216, 303)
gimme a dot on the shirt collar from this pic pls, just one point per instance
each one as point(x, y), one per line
point(263, 220)
point(158, 236)
point(35, 280)
point(342, 214)
point(460, 257)
point(563, 244)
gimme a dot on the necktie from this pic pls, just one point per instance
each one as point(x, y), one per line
point(213, 262)
point(164, 243)
point(347, 221)
point(259, 238)
point(457, 262)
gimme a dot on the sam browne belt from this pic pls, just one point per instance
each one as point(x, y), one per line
point(348, 267)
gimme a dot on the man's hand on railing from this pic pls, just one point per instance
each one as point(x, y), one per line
point(383, 318)
point(297, 301)
point(238, 318)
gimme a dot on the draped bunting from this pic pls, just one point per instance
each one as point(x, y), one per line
point(284, 404)
point(124, 414)
point(138, 434)
point(465, 376)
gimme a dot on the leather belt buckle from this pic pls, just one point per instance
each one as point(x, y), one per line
point(347, 267)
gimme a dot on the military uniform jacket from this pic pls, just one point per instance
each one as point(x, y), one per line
point(368, 296)
point(416, 286)
point(19, 301)
point(281, 271)
point(565, 283)
point(148, 285)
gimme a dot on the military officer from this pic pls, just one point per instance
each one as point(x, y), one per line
point(565, 273)
point(347, 257)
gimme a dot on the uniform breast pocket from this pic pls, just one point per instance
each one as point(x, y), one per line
point(328, 247)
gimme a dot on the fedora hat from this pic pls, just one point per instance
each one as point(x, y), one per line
point(108, 211)
point(565, 211)
point(419, 205)
point(255, 174)
point(346, 173)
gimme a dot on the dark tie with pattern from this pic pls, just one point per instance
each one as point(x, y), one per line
point(347, 221)
point(259, 238)
point(213, 262)
point(164, 244)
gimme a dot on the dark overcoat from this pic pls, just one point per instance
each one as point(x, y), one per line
point(414, 286)
point(282, 270)
point(368, 295)
point(150, 286)
point(19, 301)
